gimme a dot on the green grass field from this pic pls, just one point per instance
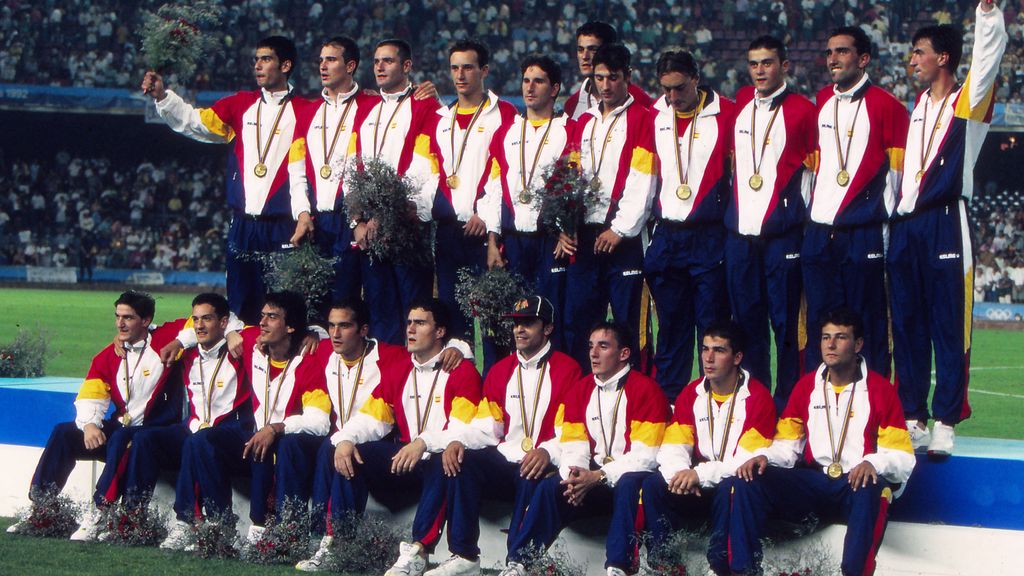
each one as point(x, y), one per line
point(80, 323)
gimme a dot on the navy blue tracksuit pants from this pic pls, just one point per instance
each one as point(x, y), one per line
point(350, 496)
point(333, 238)
point(846, 267)
point(531, 255)
point(155, 449)
point(549, 512)
point(764, 283)
point(685, 270)
point(665, 513)
point(389, 290)
point(593, 281)
point(931, 276)
point(484, 471)
point(66, 446)
point(794, 494)
point(246, 235)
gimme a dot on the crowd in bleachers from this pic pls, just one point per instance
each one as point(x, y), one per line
point(999, 238)
point(72, 42)
point(89, 212)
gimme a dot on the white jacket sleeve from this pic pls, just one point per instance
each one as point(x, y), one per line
point(197, 123)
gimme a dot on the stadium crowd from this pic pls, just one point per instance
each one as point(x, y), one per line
point(98, 212)
point(35, 36)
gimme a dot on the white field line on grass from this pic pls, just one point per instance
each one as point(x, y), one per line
point(989, 392)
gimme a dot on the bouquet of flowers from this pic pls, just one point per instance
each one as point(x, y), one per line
point(375, 190)
point(681, 554)
point(564, 199)
point(285, 540)
point(215, 536)
point(51, 514)
point(555, 561)
point(363, 544)
point(488, 297)
point(26, 356)
point(301, 270)
point(134, 525)
point(174, 39)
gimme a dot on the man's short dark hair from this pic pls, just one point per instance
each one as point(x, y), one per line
point(843, 316)
point(545, 63)
point(294, 306)
point(615, 57)
point(439, 310)
point(483, 55)
point(349, 48)
point(769, 43)
point(677, 60)
point(360, 311)
point(728, 330)
point(944, 38)
point(861, 41)
point(603, 31)
point(404, 50)
point(217, 301)
point(284, 48)
point(618, 330)
point(141, 302)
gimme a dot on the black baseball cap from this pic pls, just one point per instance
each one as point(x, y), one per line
point(535, 306)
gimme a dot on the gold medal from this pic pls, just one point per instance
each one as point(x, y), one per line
point(526, 444)
point(919, 176)
point(126, 420)
point(204, 425)
point(595, 183)
point(260, 170)
point(525, 198)
point(452, 181)
point(834, 470)
point(843, 178)
point(607, 460)
point(756, 181)
point(683, 192)
point(325, 171)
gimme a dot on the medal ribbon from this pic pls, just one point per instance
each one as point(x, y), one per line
point(604, 146)
point(421, 423)
point(926, 151)
point(528, 430)
point(837, 451)
point(337, 131)
point(208, 394)
point(343, 414)
point(277, 395)
point(465, 139)
point(129, 377)
point(759, 160)
point(262, 150)
point(615, 418)
point(720, 455)
point(684, 177)
point(843, 158)
point(377, 148)
point(522, 153)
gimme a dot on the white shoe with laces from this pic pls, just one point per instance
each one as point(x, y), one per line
point(513, 569)
point(179, 537)
point(411, 561)
point(90, 528)
point(456, 565)
point(919, 437)
point(943, 438)
point(17, 527)
point(613, 571)
point(255, 534)
point(318, 562)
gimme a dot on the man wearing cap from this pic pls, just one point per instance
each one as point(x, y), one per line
point(513, 441)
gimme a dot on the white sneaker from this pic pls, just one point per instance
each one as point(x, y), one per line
point(410, 562)
point(90, 528)
point(613, 571)
point(456, 565)
point(255, 534)
point(17, 527)
point(318, 562)
point(943, 439)
point(179, 537)
point(919, 437)
point(513, 569)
